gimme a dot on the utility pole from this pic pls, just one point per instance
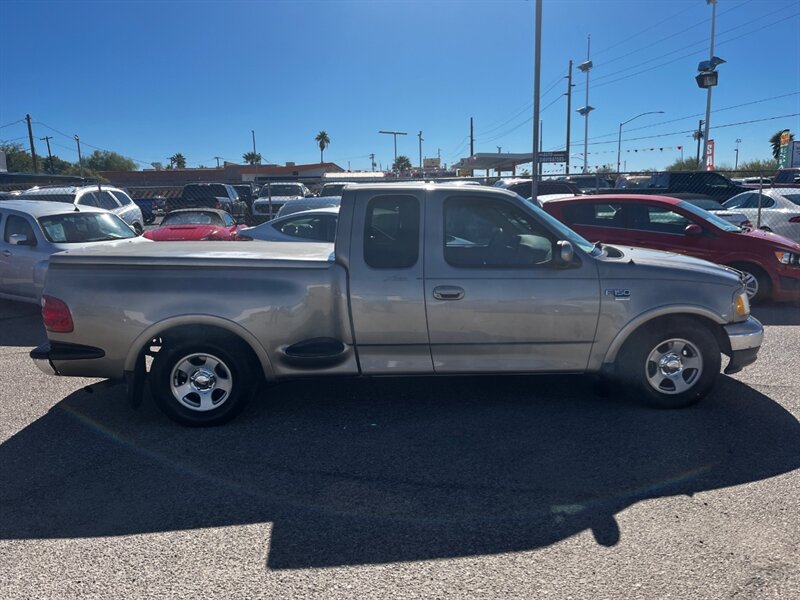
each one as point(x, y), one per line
point(255, 175)
point(217, 159)
point(541, 144)
point(47, 139)
point(569, 108)
point(698, 135)
point(736, 164)
point(80, 158)
point(537, 71)
point(471, 138)
point(395, 134)
point(713, 4)
point(372, 161)
point(420, 149)
point(33, 148)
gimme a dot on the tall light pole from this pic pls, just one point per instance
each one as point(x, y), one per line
point(537, 71)
point(619, 139)
point(736, 164)
point(586, 109)
point(713, 4)
point(420, 150)
point(395, 134)
point(255, 154)
point(80, 158)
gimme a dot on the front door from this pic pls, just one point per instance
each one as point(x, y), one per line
point(18, 261)
point(497, 298)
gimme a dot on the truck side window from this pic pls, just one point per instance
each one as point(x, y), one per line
point(391, 232)
point(483, 232)
point(19, 225)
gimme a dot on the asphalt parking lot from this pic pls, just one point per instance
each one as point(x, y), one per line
point(524, 487)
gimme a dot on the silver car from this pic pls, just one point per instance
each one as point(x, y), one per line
point(317, 225)
point(33, 230)
point(108, 198)
point(274, 195)
point(780, 210)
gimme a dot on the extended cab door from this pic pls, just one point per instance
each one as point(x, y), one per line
point(386, 285)
point(496, 297)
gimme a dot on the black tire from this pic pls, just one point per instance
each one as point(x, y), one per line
point(679, 343)
point(762, 282)
point(215, 394)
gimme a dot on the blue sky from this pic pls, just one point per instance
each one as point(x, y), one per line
point(148, 79)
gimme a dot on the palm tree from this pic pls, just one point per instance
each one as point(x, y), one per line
point(324, 141)
point(178, 160)
point(252, 158)
point(775, 140)
point(402, 163)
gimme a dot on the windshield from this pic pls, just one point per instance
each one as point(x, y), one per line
point(718, 222)
point(192, 218)
point(332, 190)
point(281, 190)
point(706, 204)
point(76, 228)
point(564, 232)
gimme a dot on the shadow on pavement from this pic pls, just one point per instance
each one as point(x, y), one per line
point(373, 471)
point(21, 324)
point(786, 313)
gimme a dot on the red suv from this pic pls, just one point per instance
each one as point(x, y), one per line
point(771, 262)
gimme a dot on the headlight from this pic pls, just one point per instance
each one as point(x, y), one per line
point(742, 305)
point(787, 258)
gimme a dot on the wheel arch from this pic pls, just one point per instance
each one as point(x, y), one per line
point(205, 325)
point(655, 317)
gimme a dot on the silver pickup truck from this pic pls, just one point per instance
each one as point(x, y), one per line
point(422, 280)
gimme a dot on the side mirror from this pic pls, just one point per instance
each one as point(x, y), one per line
point(566, 253)
point(693, 229)
point(20, 239)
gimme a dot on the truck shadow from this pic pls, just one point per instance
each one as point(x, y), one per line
point(20, 324)
point(774, 313)
point(375, 471)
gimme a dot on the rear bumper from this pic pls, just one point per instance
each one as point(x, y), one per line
point(745, 340)
point(44, 355)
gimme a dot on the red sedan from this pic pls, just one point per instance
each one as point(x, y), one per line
point(195, 224)
point(770, 262)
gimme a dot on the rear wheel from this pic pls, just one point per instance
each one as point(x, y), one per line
point(202, 383)
point(670, 364)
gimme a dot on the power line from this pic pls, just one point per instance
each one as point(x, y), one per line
point(22, 137)
point(525, 122)
point(13, 123)
point(642, 32)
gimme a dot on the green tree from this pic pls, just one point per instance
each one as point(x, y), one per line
point(105, 160)
point(18, 160)
point(687, 164)
point(252, 158)
point(402, 163)
point(775, 141)
point(324, 141)
point(177, 161)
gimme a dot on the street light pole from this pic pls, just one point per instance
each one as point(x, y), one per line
point(537, 71)
point(395, 134)
point(736, 164)
point(619, 139)
point(586, 109)
point(713, 4)
point(80, 158)
point(255, 154)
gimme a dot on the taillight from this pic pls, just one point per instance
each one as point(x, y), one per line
point(795, 219)
point(56, 315)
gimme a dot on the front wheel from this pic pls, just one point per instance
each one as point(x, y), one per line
point(671, 364)
point(202, 383)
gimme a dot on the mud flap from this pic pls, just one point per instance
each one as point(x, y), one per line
point(135, 380)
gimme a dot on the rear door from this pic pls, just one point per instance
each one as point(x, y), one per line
point(18, 262)
point(496, 299)
point(386, 282)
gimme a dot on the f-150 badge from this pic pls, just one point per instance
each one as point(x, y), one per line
point(619, 294)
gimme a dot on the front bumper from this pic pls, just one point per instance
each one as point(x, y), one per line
point(44, 355)
point(745, 340)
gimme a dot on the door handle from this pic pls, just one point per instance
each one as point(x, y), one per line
point(448, 292)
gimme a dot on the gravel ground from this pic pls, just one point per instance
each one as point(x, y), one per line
point(512, 487)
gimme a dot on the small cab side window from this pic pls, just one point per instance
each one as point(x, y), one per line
point(106, 200)
point(19, 225)
point(391, 232)
point(122, 198)
point(88, 199)
point(487, 232)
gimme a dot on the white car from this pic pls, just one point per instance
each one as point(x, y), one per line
point(98, 195)
point(317, 225)
point(30, 231)
point(780, 210)
point(274, 195)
